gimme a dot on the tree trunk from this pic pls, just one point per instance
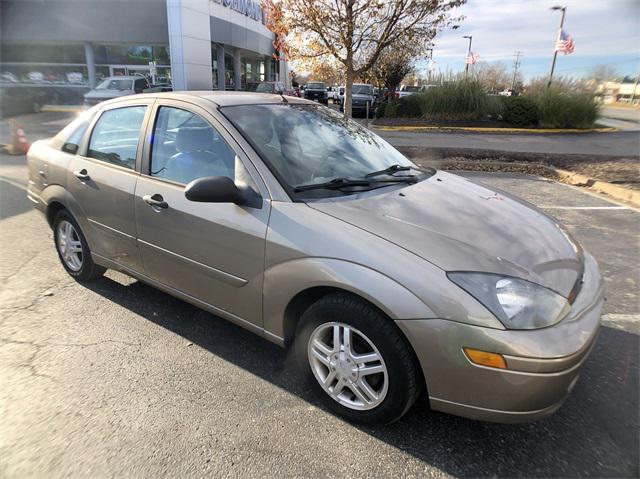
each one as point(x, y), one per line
point(348, 87)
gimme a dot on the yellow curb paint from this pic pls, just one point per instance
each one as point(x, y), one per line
point(481, 129)
point(63, 108)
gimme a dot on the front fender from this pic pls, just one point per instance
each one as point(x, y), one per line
point(282, 282)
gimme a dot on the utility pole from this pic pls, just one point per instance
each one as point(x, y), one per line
point(516, 65)
point(466, 66)
point(555, 51)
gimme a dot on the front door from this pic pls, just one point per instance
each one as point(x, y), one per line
point(213, 252)
point(102, 180)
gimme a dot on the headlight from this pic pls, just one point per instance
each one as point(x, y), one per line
point(517, 303)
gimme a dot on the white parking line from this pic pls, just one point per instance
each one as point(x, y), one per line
point(585, 207)
point(625, 322)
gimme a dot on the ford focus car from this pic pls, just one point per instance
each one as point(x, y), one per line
point(389, 281)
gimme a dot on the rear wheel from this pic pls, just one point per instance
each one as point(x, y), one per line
point(72, 248)
point(357, 360)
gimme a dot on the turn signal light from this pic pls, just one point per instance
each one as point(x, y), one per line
point(483, 358)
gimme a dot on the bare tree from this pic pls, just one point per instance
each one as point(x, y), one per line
point(602, 73)
point(354, 32)
point(492, 76)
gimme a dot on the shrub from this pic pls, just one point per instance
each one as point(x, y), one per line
point(463, 100)
point(410, 106)
point(520, 111)
point(380, 109)
point(391, 109)
point(561, 107)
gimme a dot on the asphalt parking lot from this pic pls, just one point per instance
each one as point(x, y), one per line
point(115, 378)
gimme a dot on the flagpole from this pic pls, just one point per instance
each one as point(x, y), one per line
point(555, 47)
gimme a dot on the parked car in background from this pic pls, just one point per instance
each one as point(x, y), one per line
point(362, 99)
point(406, 90)
point(316, 91)
point(508, 92)
point(267, 87)
point(117, 86)
point(386, 280)
point(332, 93)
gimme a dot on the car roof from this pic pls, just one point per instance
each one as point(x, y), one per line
point(219, 98)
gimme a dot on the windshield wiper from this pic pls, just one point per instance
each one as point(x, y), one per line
point(395, 168)
point(338, 183)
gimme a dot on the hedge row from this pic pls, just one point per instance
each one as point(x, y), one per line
point(555, 107)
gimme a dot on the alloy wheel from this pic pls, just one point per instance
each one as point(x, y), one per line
point(348, 366)
point(69, 245)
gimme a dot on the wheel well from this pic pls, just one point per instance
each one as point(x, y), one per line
point(301, 302)
point(52, 211)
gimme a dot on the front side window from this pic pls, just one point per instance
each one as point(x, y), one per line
point(186, 147)
point(307, 144)
point(114, 138)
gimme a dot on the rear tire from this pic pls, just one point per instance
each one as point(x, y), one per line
point(73, 249)
point(386, 394)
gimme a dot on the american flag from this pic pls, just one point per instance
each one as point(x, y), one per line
point(565, 43)
point(472, 58)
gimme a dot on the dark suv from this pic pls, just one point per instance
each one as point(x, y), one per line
point(316, 91)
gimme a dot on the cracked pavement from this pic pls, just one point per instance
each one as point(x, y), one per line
point(115, 378)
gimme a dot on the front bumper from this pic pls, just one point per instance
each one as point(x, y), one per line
point(543, 365)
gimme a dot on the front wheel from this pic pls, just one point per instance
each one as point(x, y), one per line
point(357, 360)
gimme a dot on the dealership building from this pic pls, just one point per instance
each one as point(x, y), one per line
point(193, 44)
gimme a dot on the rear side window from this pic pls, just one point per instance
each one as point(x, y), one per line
point(114, 138)
point(186, 147)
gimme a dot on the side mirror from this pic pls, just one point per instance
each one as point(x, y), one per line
point(71, 148)
point(214, 189)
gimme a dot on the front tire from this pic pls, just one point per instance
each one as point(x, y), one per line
point(73, 249)
point(357, 360)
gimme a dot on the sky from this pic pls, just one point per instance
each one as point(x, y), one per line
point(604, 32)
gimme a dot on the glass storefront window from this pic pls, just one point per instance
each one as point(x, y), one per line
point(37, 53)
point(132, 54)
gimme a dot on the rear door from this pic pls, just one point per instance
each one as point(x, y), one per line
point(102, 178)
point(213, 252)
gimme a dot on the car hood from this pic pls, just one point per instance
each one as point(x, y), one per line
point(458, 225)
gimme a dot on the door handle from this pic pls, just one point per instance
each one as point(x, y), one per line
point(156, 201)
point(82, 175)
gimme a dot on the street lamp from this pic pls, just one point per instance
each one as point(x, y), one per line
point(555, 47)
point(429, 60)
point(466, 66)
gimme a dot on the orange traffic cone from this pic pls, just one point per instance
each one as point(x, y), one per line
point(19, 144)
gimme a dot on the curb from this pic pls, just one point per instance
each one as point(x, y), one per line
point(482, 129)
point(617, 192)
point(63, 108)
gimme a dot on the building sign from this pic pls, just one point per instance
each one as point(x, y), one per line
point(250, 8)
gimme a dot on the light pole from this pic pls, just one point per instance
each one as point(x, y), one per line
point(466, 66)
point(555, 47)
point(429, 60)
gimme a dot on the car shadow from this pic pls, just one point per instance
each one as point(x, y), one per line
point(595, 433)
point(13, 200)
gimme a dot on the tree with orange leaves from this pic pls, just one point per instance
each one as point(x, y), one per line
point(353, 32)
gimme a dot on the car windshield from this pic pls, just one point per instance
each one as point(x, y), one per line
point(308, 144)
point(315, 86)
point(115, 84)
point(411, 88)
point(362, 90)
